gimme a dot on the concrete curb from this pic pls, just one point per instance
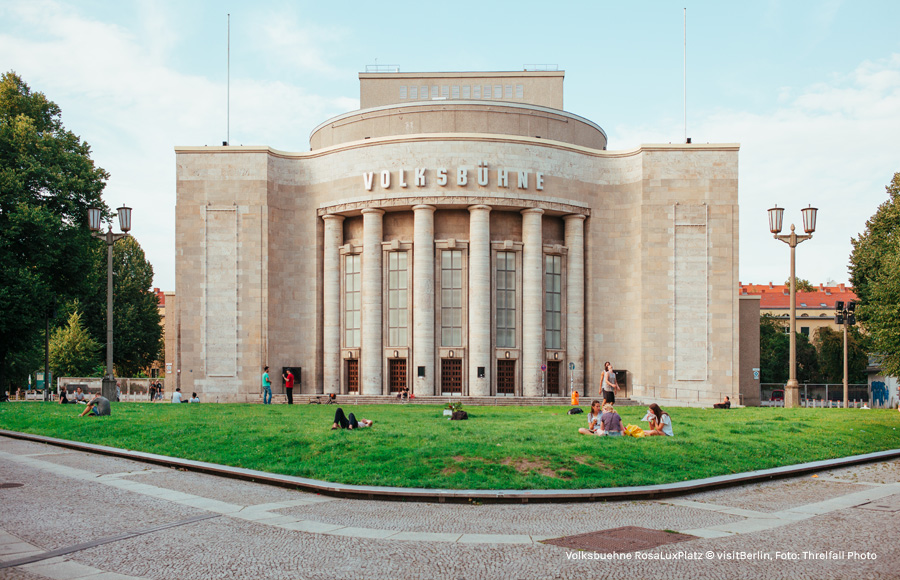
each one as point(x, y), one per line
point(464, 495)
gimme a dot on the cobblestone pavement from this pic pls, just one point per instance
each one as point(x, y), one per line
point(79, 515)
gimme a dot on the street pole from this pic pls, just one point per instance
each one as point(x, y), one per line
point(792, 388)
point(846, 385)
point(108, 388)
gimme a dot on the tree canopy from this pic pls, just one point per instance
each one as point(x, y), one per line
point(802, 285)
point(73, 351)
point(875, 275)
point(47, 182)
point(136, 320)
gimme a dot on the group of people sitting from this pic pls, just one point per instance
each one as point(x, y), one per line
point(605, 421)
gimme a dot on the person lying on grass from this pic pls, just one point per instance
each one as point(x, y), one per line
point(593, 418)
point(349, 423)
point(610, 422)
point(660, 422)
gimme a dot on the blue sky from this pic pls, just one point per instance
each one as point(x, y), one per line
point(810, 90)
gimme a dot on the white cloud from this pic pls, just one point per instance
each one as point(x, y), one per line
point(121, 96)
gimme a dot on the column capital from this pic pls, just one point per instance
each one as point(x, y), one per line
point(478, 207)
point(423, 207)
point(574, 216)
point(532, 210)
point(373, 210)
point(333, 216)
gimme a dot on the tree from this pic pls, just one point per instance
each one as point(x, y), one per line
point(775, 354)
point(73, 351)
point(875, 275)
point(47, 182)
point(802, 285)
point(830, 346)
point(136, 320)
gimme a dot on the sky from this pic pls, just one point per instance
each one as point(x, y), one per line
point(810, 90)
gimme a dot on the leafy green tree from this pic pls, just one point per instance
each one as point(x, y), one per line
point(47, 182)
point(73, 351)
point(802, 285)
point(830, 346)
point(775, 354)
point(875, 275)
point(136, 320)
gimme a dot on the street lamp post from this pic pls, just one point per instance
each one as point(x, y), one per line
point(108, 389)
point(792, 388)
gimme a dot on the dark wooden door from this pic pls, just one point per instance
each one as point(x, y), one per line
point(552, 377)
point(353, 376)
point(506, 377)
point(451, 375)
point(397, 373)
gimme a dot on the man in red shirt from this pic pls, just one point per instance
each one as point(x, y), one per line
point(289, 386)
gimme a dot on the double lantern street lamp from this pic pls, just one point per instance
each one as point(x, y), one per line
point(108, 389)
point(792, 388)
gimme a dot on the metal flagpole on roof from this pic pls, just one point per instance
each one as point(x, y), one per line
point(685, 75)
point(228, 86)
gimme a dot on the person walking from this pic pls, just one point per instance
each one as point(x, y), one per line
point(267, 387)
point(608, 384)
point(288, 377)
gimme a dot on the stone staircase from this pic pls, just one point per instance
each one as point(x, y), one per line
point(502, 401)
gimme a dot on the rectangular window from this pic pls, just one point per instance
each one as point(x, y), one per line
point(467, 92)
point(498, 92)
point(506, 299)
point(507, 91)
point(423, 93)
point(455, 92)
point(414, 93)
point(398, 299)
point(487, 92)
point(476, 93)
point(434, 91)
point(553, 297)
point(451, 298)
point(352, 300)
point(520, 91)
point(804, 330)
point(445, 91)
point(403, 92)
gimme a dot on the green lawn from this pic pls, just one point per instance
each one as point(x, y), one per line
point(497, 448)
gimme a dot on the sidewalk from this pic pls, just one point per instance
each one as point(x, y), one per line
point(81, 515)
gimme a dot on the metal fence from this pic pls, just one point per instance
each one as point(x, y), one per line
point(818, 395)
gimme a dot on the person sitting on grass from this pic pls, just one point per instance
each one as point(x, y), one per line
point(610, 422)
point(79, 396)
point(63, 396)
point(593, 419)
point(98, 407)
point(349, 423)
point(726, 404)
point(660, 422)
point(194, 398)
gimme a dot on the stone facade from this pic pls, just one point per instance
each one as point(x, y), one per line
point(457, 260)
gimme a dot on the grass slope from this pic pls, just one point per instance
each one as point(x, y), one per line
point(497, 448)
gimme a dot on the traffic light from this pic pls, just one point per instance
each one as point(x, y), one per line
point(839, 317)
point(839, 306)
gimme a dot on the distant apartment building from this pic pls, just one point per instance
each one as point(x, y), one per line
point(814, 309)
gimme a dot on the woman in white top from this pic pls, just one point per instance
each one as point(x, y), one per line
point(660, 422)
point(593, 419)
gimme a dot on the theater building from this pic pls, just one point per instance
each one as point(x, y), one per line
point(460, 234)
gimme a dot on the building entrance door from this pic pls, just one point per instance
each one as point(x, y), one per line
point(397, 374)
point(353, 376)
point(552, 377)
point(506, 377)
point(451, 376)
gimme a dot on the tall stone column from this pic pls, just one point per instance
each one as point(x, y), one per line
point(423, 298)
point(372, 351)
point(331, 316)
point(479, 300)
point(532, 301)
point(575, 299)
